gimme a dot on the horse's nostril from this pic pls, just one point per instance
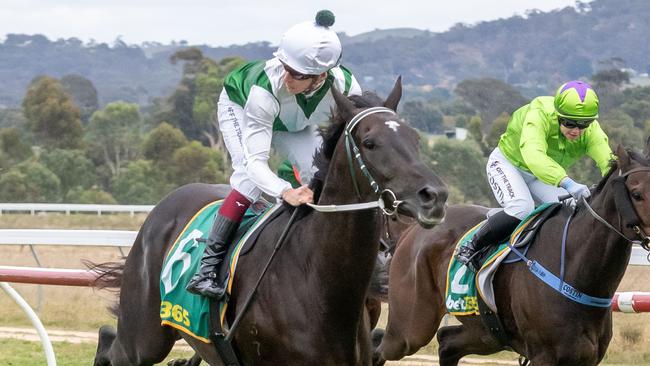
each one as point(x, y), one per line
point(428, 196)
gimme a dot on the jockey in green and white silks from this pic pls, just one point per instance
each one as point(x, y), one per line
point(256, 110)
point(278, 103)
point(528, 167)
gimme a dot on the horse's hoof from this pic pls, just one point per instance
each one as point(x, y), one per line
point(178, 362)
point(377, 336)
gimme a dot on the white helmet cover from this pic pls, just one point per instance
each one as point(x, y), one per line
point(309, 48)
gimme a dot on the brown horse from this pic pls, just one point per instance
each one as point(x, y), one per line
point(309, 308)
point(543, 326)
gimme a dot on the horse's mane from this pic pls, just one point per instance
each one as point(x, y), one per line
point(613, 166)
point(331, 136)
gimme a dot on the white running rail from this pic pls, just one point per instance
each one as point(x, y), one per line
point(114, 238)
point(33, 208)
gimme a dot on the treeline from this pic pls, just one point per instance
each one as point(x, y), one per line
point(532, 52)
point(60, 146)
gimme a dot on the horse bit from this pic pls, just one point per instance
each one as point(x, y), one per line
point(350, 148)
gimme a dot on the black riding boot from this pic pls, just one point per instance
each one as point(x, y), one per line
point(204, 281)
point(498, 227)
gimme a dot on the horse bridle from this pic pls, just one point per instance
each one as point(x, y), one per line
point(626, 210)
point(351, 147)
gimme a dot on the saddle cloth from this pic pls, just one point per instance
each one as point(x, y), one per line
point(180, 309)
point(463, 286)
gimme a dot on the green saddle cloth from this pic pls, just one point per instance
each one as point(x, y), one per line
point(180, 309)
point(461, 289)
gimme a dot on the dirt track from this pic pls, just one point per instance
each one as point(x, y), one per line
point(29, 334)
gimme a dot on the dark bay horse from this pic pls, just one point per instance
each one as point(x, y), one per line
point(544, 326)
point(309, 308)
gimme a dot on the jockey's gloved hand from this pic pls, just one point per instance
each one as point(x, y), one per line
point(575, 189)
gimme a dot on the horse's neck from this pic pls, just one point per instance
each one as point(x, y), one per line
point(350, 240)
point(600, 255)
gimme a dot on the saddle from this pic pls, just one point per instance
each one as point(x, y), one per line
point(188, 312)
point(464, 287)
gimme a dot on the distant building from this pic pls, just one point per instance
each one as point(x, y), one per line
point(457, 133)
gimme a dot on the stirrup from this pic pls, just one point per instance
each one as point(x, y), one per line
point(467, 255)
point(208, 287)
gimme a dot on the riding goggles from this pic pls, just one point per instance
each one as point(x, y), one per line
point(570, 123)
point(296, 75)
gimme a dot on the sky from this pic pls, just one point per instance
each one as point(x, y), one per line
point(223, 23)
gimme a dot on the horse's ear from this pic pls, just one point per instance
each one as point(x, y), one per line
point(395, 95)
point(623, 158)
point(343, 104)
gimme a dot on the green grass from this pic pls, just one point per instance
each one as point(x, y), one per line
point(15, 352)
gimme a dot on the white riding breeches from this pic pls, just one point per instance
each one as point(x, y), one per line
point(299, 147)
point(516, 190)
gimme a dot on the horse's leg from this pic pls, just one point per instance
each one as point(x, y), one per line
point(194, 361)
point(140, 338)
point(415, 302)
point(455, 342)
point(139, 341)
point(373, 306)
point(106, 336)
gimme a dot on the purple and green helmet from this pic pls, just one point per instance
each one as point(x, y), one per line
point(576, 100)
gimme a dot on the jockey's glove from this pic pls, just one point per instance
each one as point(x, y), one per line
point(575, 189)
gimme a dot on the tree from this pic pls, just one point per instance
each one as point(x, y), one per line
point(423, 116)
point(71, 167)
point(83, 94)
point(51, 115)
point(620, 129)
point(490, 97)
point(161, 143)
point(12, 117)
point(468, 178)
point(636, 104)
point(13, 146)
point(115, 131)
point(496, 130)
point(29, 181)
point(608, 84)
point(196, 163)
point(193, 103)
point(476, 134)
point(90, 196)
point(140, 183)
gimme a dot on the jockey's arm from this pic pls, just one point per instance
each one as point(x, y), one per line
point(533, 148)
point(260, 111)
point(598, 147)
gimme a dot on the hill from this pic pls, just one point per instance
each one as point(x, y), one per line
point(533, 52)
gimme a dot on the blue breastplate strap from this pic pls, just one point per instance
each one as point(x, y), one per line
point(566, 289)
point(558, 284)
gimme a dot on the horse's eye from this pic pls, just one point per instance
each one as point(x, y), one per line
point(368, 144)
point(637, 196)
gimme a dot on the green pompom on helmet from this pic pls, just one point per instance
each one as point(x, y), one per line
point(325, 18)
point(576, 100)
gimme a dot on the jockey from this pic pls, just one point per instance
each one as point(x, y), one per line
point(283, 99)
point(542, 139)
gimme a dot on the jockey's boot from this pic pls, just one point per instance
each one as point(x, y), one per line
point(204, 282)
point(497, 228)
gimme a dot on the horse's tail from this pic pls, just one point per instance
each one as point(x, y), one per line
point(379, 282)
point(108, 276)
